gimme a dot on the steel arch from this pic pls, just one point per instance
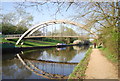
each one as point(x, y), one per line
point(51, 22)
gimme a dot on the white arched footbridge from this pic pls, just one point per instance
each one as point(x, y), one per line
point(52, 22)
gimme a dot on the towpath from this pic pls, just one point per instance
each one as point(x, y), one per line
point(100, 68)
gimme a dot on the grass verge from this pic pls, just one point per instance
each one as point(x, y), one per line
point(7, 41)
point(30, 43)
point(112, 57)
point(79, 70)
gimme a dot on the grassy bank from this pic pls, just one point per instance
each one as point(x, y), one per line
point(79, 70)
point(7, 41)
point(112, 57)
point(31, 42)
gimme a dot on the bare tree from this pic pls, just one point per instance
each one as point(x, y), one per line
point(94, 15)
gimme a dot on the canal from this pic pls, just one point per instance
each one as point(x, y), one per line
point(45, 63)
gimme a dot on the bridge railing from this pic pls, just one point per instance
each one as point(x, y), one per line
point(14, 35)
point(40, 35)
point(19, 35)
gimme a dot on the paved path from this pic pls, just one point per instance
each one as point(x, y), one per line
point(100, 68)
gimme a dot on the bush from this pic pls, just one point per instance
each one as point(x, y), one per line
point(99, 47)
point(8, 28)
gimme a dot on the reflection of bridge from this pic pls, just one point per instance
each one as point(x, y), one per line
point(29, 64)
point(45, 61)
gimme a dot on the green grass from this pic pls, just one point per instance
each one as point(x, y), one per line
point(51, 40)
point(109, 55)
point(42, 42)
point(28, 43)
point(79, 70)
point(31, 43)
point(39, 44)
point(4, 40)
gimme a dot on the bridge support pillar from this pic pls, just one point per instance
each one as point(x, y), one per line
point(68, 40)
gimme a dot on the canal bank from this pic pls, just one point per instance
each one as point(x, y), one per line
point(30, 44)
point(95, 66)
point(53, 61)
point(79, 70)
point(11, 48)
point(68, 58)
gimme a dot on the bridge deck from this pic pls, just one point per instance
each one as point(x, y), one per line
point(47, 37)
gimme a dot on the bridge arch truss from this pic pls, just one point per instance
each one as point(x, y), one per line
point(52, 22)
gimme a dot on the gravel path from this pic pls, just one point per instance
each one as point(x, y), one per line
point(100, 68)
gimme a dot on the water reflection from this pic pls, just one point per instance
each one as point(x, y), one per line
point(14, 69)
point(57, 54)
point(59, 49)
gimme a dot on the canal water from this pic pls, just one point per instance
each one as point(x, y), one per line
point(44, 63)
